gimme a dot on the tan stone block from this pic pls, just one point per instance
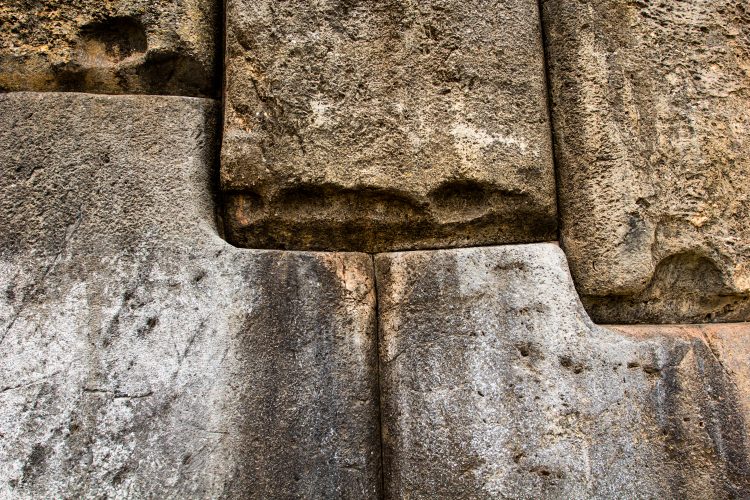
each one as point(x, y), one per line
point(651, 110)
point(113, 47)
point(386, 125)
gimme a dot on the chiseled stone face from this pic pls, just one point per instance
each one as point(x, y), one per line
point(651, 109)
point(113, 47)
point(142, 356)
point(386, 125)
point(494, 381)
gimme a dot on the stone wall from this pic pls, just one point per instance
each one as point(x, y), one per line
point(387, 249)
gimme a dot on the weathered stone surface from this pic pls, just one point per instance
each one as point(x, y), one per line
point(386, 125)
point(141, 356)
point(113, 47)
point(495, 384)
point(651, 108)
point(729, 344)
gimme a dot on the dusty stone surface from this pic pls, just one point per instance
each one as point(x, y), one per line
point(494, 382)
point(651, 111)
point(386, 125)
point(141, 356)
point(113, 47)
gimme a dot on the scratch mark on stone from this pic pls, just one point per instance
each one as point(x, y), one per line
point(70, 232)
point(28, 384)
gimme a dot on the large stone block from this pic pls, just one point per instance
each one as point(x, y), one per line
point(651, 109)
point(495, 384)
point(113, 47)
point(141, 355)
point(386, 125)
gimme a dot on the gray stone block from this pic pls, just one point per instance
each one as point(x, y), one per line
point(495, 384)
point(141, 355)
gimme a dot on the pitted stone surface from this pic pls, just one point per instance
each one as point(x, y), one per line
point(496, 384)
point(386, 125)
point(651, 110)
point(141, 356)
point(113, 47)
point(729, 344)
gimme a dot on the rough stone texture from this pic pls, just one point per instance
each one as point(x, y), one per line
point(113, 47)
point(141, 356)
point(495, 384)
point(729, 343)
point(651, 108)
point(386, 125)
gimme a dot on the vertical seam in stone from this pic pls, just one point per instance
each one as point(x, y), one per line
point(379, 385)
point(548, 94)
point(220, 65)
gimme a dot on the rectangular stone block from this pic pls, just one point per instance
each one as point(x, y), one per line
point(388, 125)
point(651, 109)
point(113, 47)
point(495, 384)
point(142, 356)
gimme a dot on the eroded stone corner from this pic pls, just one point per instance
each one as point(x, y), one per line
point(120, 47)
